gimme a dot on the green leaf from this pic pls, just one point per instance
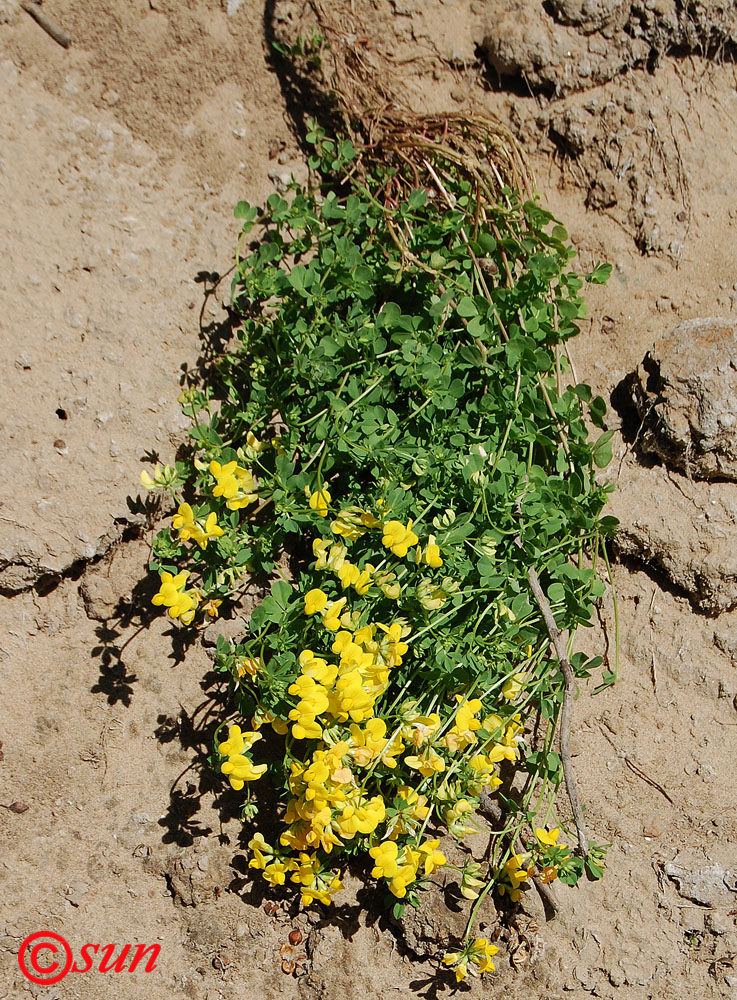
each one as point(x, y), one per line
point(467, 307)
point(600, 275)
point(602, 450)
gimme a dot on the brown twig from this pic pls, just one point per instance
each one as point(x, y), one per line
point(636, 769)
point(565, 714)
point(49, 26)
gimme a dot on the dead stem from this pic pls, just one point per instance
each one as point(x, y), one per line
point(565, 715)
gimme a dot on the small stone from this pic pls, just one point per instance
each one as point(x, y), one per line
point(652, 828)
point(718, 924)
point(706, 772)
point(61, 446)
point(233, 6)
point(18, 807)
point(603, 192)
point(692, 920)
point(663, 304)
point(616, 977)
point(111, 97)
point(458, 94)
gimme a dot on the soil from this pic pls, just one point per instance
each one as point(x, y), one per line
point(120, 161)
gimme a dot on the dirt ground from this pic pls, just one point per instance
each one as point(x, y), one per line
point(120, 161)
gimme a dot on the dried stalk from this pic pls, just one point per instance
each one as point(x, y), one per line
point(569, 679)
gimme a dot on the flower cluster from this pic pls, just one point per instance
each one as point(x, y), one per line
point(424, 448)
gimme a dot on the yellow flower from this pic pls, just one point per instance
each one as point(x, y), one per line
point(263, 716)
point(399, 538)
point(319, 502)
point(235, 484)
point(189, 527)
point(349, 525)
point(470, 884)
point(317, 882)
point(431, 856)
point(331, 615)
point(385, 859)
point(320, 548)
point(433, 596)
point(432, 553)
point(461, 967)
point(475, 956)
point(262, 852)
point(249, 665)
point(315, 601)
point(512, 876)
point(254, 447)
point(162, 478)
point(550, 838)
point(211, 608)
point(427, 763)
point(181, 603)
point(348, 574)
point(238, 768)
point(512, 686)
point(313, 701)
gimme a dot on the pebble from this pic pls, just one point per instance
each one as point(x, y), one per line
point(718, 924)
point(110, 97)
point(652, 828)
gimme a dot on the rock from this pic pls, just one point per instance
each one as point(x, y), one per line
point(229, 628)
point(232, 6)
point(107, 586)
point(718, 924)
point(707, 886)
point(524, 41)
point(570, 130)
point(686, 535)
point(603, 193)
point(282, 176)
point(685, 395)
point(440, 920)
point(727, 643)
point(590, 15)
point(8, 11)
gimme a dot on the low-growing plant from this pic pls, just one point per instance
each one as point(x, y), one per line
point(398, 416)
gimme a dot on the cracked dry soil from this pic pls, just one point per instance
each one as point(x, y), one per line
point(120, 161)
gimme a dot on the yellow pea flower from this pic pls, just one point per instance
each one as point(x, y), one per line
point(432, 858)
point(181, 603)
point(385, 859)
point(549, 837)
point(432, 553)
point(348, 574)
point(235, 484)
point(238, 768)
point(315, 601)
point(399, 538)
point(513, 685)
point(320, 501)
point(331, 615)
